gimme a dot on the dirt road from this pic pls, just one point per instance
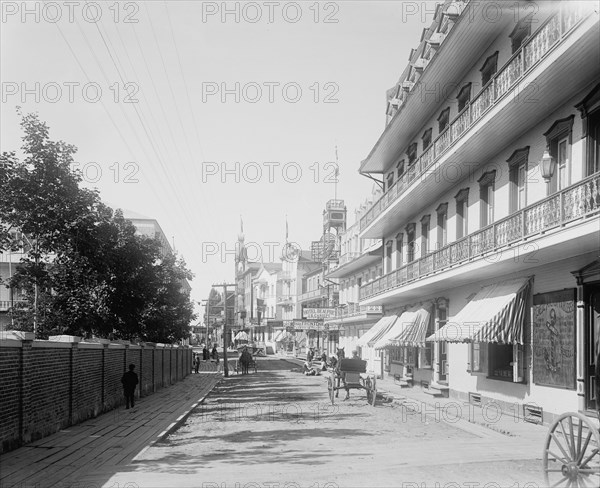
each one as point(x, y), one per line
point(278, 428)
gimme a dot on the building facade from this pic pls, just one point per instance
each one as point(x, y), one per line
point(490, 212)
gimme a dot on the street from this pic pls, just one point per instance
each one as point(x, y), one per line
point(277, 427)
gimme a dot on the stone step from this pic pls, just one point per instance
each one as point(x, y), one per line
point(439, 390)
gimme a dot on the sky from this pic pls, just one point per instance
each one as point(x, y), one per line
point(204, 115)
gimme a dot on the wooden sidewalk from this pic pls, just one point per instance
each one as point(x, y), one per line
point(112, 439)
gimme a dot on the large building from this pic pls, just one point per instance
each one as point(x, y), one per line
point(490, 218)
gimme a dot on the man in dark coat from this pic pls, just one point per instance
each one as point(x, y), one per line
point(129, 381)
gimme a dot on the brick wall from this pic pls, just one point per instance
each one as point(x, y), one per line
point(46, 386)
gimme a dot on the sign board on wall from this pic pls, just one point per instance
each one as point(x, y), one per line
point(554, 339)
point(319, 313)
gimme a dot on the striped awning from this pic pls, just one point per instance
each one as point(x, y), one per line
point(415, 331)
point(496, 313)
point(278, 335)
point(378, 330)
point(301, 338)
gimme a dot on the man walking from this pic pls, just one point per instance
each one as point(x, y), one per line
point(130, 381)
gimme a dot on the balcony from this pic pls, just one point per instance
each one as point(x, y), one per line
point(6, 304)
point(285, 300)
point(335, 205)
point(355, 310)
point(353, 261)
point(577, 202)
point(324, 292)
point(473, 132)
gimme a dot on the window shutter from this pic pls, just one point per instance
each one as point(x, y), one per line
point(518, 363)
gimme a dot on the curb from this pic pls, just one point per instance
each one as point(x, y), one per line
point(178, 422)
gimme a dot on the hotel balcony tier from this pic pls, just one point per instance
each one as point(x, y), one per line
point(355, 313)
point(353, 261)
point(559, 59)
point(320, 293)
point(562, 225)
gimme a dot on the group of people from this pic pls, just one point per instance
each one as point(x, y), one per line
point(206, 355)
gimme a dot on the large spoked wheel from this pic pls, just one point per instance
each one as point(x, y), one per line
point(571, 452)
point(331, 388)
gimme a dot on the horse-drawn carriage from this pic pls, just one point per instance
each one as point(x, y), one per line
point(352, 373)
point(245, 362)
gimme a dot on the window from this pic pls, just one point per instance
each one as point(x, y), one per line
point(426, 353)
point(425, 234)
point(461, 213)
point(399, 250)
point(390, 180)
point(388, 257)
point(444, 119)
point(464, 96)
point(477, 357)
point(486, 195)
point(489, 68)
point(395, 354)
point(558, 139)
point(521, 32)
point(589, 108)
point(426, 138)
point(400, 168)
point(410, 237)
point(442, 225)
point(518, 179)
point(412, 153)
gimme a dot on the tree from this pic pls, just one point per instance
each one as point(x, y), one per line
point(86, 271)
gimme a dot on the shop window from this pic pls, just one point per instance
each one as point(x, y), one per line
point(518, 179)
point(427, 138)
point(395, 354)
point(463, 97)
point(559, 140)
point(521, 32)
point(498, 361)
point(442, 225)
point(489, 68)
point(444, 119)
point(477, 362)
point(486, 197)
point(462, 198)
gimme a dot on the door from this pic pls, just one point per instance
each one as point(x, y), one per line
point(592, 342)
point(442, 363)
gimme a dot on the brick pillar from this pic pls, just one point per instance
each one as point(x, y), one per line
point(103, 397)
point(73, 353)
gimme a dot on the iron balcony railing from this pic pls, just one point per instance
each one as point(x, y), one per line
point(575, 202)
point(324, 292)
point(550, 34)
point(354, 309)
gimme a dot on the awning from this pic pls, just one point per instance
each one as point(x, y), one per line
point(241, 336)
point(301, 338)
point(278, 335)
point(496, 314)
point(370, 337)
point(409, 330)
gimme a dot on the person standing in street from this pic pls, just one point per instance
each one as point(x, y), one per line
point(197, 363)
point(129, 381)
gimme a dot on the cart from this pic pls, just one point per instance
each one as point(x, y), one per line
point(352, 373)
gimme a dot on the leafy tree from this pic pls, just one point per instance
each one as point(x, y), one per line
point(86, 271)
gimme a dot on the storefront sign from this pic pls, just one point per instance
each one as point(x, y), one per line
point(554, 339)
point(300, 324)
point(318, 313)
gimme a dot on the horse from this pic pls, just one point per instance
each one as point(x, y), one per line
point(245, 360)
point(338, 374)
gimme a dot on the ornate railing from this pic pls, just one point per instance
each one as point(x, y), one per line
point(348, 257)
point(546, 37)
point(355, 309)
point(575, 202)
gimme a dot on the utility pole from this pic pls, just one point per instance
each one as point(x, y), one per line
point(225, 365)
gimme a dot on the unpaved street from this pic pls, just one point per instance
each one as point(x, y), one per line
point(278, 427)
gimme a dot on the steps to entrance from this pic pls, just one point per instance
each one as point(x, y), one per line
point(436, 390)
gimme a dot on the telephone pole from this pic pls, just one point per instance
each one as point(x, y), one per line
point(225, 365)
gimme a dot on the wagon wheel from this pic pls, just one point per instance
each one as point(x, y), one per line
point(331, 388)
point(571, 452)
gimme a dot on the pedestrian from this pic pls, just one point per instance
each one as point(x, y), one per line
point(197, 363)
point(129, 381)
point(205, 353)
point(215, 353)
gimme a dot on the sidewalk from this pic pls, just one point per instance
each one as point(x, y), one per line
point(110, 440)
point(420, 405)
